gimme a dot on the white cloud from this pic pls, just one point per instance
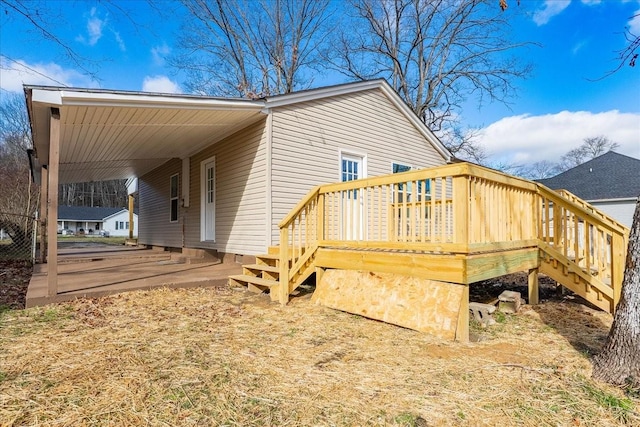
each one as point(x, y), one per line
point(119, 40)
point(527, 139)
point(634, 23)
point(95, 25)
point(578, 47)
point(13, 74)
point(160, 84)
point(550, 9)
point(591, 2)
point(159, 53)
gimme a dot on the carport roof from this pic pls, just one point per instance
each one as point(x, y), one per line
point(116, 134)
point(109, 134)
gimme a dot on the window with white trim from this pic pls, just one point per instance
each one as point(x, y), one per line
point(173, 198)
point(406, 194)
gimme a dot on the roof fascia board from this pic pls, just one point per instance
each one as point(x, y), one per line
point(325, 92)
point(107, 99)
point(46, 97)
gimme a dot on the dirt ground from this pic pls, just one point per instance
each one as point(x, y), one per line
point(217, 356)
point(15, 276)
point(14, 280)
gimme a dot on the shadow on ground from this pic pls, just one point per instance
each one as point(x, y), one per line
point(584, 327)
point(14, 281)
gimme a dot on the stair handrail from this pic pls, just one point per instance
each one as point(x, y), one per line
point(602, 220)
point(291, 255)
point(312, 194)
point(616, 241)
point(581, 202)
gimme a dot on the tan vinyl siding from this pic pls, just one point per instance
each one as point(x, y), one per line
point(308, 137)
point(240, 165)
point(154, 191)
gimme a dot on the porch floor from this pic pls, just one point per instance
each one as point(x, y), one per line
point(94, 271)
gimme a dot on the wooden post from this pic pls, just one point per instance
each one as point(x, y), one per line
point(130, 216)
point(618, 259)
point(462, 328)
point(43, 213)
point(52, 202)
point(284, 266)
point(320, 219)
point(319, 274)
point(461, 210)
point(534, 292)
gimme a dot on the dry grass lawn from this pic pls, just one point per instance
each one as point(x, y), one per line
point(225, 357)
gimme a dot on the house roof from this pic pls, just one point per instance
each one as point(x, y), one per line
point(609, 176)
point(107, 134)
point(84, 213)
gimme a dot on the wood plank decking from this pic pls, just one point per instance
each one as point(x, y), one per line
point(98, 271)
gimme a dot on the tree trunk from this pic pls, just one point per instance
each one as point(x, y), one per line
point(619, 361)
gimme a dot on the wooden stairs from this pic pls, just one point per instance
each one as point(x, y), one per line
point(261, 276)
point(264, 274)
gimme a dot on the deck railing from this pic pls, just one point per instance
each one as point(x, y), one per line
point(571, 229)
point(459, 208)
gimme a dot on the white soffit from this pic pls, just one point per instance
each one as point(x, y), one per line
point(108, 135)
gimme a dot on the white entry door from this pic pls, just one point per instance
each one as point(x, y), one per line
point(352, 167)
point(208, 197)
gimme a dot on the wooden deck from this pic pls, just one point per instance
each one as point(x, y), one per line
point(95, 271)
point(459, 223)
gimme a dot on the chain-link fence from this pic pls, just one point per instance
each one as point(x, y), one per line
point(17, 237)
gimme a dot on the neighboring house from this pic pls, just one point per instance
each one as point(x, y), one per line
point(610, 182)
point(88, 220)
point(220, 173)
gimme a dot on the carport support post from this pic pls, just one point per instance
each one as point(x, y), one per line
point(52, 202)
point(43, 213)
point(130, 216)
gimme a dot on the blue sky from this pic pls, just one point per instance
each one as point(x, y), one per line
point(558, 106)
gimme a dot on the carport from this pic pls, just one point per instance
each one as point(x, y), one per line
point(82, 135)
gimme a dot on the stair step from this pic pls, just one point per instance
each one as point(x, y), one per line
point(251, 280)
point(262, 267)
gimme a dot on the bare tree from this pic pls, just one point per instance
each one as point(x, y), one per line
point(619, 361)
point(38, 16)
point(252, 48)
point(463, 144)
point(44, 26)
point(628, 55)
point(590, 148)
point(435, 53)
point(539, 170)
point(108, 194)
point(18, 194)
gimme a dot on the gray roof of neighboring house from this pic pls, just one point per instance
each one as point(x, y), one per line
point(609, 176)
point(84, 213)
